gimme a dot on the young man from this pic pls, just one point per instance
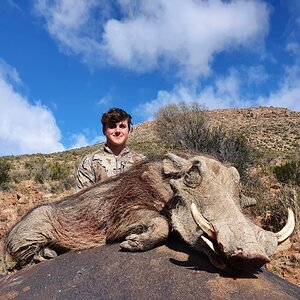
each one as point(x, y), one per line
point(114, 157)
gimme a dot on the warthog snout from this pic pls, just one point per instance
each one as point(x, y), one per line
point(248, 263)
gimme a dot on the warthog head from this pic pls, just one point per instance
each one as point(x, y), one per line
point(207, 213)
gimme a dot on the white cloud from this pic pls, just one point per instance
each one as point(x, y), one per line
point(24, 127)
point(153, 34)
point(71, 23)
point(257, 74)
point(288, 93)
point(293, 48)
point(223, 93)
point(179, 94)
point(184, 33)
point(287, 96)
point(13, 4)
point(81, 140)
point(9, 73)
point(226, 92)
point(105, 101)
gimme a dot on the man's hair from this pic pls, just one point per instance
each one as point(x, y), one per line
point(113, 116)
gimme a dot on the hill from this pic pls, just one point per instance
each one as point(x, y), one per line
point(37, 178)
point(266, 128)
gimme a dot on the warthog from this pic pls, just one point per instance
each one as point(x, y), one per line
point(198, 197)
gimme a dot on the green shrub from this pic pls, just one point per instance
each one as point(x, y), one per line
point(40, 171)
point(38, 177)
point(288, 173)
point(230, 147)
point(58, 172)
point(182, 125)
point(67, 183)
point(185, 127)
point(28, 165)
point(5, 167)
point(274, 215)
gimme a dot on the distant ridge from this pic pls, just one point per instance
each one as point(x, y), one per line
point(266, 128)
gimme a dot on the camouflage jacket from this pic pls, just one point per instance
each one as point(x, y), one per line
point(103, 164)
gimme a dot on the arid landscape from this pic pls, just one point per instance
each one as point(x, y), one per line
point(36, 179)
point(266, 128)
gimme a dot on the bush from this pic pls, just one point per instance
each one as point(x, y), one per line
point(67, 183)
point(40, 170)
point(288, 173)
point(274, 213)
point(229, 147)
point(38, 177)
point(185, 127)
point(182, 125)
point(5, 167)
point(58, 172)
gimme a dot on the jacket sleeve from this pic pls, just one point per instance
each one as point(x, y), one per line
point(85, 175)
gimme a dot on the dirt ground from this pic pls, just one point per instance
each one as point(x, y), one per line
point(14, 204)
point(286, 263)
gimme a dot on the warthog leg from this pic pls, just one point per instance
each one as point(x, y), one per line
point(29, 239)
point(157, 230)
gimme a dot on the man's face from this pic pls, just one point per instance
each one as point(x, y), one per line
point(117, 133)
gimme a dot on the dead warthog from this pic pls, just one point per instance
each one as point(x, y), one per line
point(198, 197)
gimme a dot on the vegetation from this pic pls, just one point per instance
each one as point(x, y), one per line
point(289, 173)
point(185, 126)
point(42, 169)
point(271, 176)
point(271, 208)
point(5, 167)
point(182, 125)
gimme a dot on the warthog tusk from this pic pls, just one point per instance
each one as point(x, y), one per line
point(202, 222)
point(209, 243)
point(288, 229)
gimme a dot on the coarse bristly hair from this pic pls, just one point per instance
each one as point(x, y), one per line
point(100, 214)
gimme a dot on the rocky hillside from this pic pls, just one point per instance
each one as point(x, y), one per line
point(266, 128)
point(35, 179)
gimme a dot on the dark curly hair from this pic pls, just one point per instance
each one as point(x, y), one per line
point(113, 116)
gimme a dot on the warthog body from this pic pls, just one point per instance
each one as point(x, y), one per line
point(138, 207)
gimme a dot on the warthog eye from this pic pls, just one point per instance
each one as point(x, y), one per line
point(192, 178)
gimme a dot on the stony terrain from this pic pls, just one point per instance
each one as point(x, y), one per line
point(266, 128)
point(270, 129)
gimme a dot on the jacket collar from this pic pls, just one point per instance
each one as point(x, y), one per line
point(108, 150)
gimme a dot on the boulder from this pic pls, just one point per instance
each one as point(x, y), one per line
point(171, 271)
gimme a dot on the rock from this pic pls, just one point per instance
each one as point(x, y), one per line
point(22, 200)
point(170, 271)
point(3, 218)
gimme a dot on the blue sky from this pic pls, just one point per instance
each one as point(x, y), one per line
point(63, 63)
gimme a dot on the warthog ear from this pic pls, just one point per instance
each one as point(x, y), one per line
point(173, 164)
point(193, 177)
